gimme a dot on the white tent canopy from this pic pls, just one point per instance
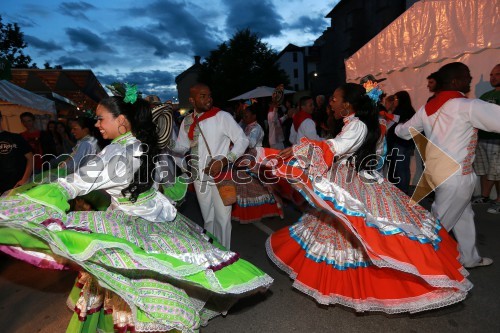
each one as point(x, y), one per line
point(15, 100)
point(262, 91)
point(428, 35)
point(9, 92)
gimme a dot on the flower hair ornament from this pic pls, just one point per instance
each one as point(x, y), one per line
point(373, 91)
point(128, 92)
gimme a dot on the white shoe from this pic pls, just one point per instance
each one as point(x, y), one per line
point(494, 208)
point(483, 262)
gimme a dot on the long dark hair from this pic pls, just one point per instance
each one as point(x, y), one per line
point(367, 112)
point(404, 109)
point(139, 116)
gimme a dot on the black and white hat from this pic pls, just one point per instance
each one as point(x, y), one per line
point(162, 117)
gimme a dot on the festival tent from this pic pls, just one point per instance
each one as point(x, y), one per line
point(427, 36)
point(262, 91)
point(15, 100)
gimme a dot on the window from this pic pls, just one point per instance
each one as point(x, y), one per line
point(295, 57)
point(295, 73)
point(296, 87)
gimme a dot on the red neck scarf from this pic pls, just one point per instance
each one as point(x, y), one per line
point(439, 99)
point(205, 115)
point(299, 118)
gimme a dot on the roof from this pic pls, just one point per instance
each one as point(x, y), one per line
point(290, 48)
point(336, 8)
point(79, 86)
point(193, 69)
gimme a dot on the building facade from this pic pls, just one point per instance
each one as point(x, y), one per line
point(299, 63)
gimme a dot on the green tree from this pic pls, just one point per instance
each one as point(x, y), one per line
point(12, 44)
point(241, 64)
point(47, 65)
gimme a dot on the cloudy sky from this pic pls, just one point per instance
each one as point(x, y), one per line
point(150, 42)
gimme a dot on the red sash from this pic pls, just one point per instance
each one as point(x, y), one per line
point(439, 99)
point(205, 115)
point(386, 115)
point(299, 118)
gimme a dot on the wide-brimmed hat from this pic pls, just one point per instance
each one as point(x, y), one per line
point(372, 78)
point(153, 99)
point(162, 117)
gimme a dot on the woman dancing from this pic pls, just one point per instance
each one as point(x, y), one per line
point(361, 244)
point(145, 267)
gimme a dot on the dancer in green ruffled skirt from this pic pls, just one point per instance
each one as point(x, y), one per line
point(144, 267)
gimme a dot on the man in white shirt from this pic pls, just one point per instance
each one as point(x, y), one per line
point(450, 121)
point(208, 132)
point(303, 124)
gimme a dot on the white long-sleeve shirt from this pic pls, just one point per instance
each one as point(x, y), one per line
point(455, 131)
point(350, 138)
point(276, 135)
point(219, 131)
point(306, 130)
point(255, 134)
point(113, 170)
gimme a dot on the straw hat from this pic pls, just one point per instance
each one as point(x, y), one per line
point(162, 117)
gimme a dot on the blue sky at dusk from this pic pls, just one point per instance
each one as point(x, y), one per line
point(150, 42)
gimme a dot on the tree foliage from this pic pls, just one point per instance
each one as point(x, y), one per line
point(12, 44)
point(241, 64)
point(47, 65)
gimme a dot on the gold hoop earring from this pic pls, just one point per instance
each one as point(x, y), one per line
point(342, 115)
point(122, 128)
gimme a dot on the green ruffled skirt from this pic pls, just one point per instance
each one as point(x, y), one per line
point(160, 276)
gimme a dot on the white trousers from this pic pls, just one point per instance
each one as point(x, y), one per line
point(452, 206)
point(216, 215)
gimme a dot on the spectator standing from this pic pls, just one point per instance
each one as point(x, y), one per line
point(389, 103)
point(487, 162)
point(253, 130)
point(274, 121)
point(320, 116)
point(67, 143)
point(16, 160)
point(34, 138)
point(303, 123)
point(83, 129)
point(399, 168)
point(433, 84)
point(288, 122)
point(51, 140)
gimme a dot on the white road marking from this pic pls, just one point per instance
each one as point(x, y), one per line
point(264, 228)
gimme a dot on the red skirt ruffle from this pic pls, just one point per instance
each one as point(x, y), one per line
point(371, 288)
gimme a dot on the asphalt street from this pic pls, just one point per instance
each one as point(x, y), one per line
point(33, 300)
